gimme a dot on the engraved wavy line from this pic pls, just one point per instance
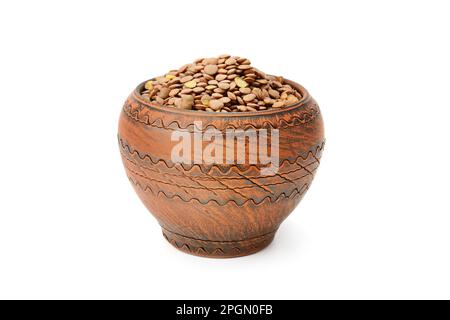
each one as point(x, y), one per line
point(207, 170)
point(252, 239)
point(307, 115)
point(209, 178)
point(214, 188)
point(217, 246)
point(295, 120)
point(295, 192)
point(198, 249)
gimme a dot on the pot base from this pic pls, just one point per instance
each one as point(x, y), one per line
point(218, 249)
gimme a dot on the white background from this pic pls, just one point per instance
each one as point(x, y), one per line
point(375, 223)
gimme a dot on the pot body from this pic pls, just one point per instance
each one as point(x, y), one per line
point(219, 209)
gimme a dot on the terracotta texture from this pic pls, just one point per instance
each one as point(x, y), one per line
point(220, 210)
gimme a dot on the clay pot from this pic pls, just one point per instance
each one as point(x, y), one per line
point(219, 209)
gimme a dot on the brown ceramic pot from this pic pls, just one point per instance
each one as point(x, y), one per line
point(219, 210)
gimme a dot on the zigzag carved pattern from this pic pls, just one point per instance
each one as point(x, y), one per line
point(234, 186)
point(211, 179)
point(296, 192)
point(313, 155)
point(217, 248)
point(142, 114)
point(217, 251)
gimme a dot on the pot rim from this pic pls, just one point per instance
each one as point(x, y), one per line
point(302, 102)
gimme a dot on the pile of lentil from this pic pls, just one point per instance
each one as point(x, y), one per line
point(223, 84)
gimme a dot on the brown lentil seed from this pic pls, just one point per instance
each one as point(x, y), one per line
point(230, 61)
point(174, 92)
point(186, 91)
point(244, 67)
point(278, 104)
point(231, 95)
point(163, 92)
point(215, 104)
point(186, 79)
point(224, 85)
point(245, 90)
point(221, 77)
point(211, 69)
point(225, 100)
point(198, 89)
point(274, 94)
